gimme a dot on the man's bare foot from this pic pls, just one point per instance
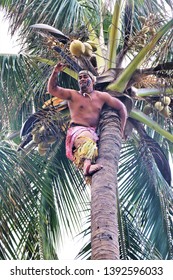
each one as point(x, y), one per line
point(91, 169)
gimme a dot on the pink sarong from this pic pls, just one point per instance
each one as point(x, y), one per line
point(74, 132)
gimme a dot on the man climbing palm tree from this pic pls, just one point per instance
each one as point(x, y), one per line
point(85, 106)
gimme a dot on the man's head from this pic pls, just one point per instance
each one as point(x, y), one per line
point(86, 72)
point(86, 80)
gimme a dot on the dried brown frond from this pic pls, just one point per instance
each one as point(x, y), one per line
point(150, 81)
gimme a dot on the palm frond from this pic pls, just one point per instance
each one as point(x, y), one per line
point(61, 37)
point(140, 116)
point(128, 23)
point(19, 205)
point(131, 238)
point(142, 192)
point(44, 128)
point(155, 149)
point(19, 84)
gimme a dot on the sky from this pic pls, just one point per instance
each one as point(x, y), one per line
point(7, 44)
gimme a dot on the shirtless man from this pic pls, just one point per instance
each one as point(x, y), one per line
point(85, 106)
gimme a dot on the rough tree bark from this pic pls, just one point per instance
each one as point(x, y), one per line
point(104, 222)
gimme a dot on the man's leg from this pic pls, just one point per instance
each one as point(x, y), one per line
point(88, 167)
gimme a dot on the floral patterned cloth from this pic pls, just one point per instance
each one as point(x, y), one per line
point(74, 132)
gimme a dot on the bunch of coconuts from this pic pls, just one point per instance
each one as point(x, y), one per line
point(78, 48)
point(148, 29)
point(162, 106)
point(43, 138)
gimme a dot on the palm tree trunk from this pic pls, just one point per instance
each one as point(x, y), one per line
point(104, 222)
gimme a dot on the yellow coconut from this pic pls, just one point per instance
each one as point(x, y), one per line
point(42, 148)
point(77, 48)
point(36, 137)
point(43, 145)
point(92, 44)
point(88, 49)
point(42, 129)
point(166, 100)
point(159, 106)
point(42, 152)
point(145, 29)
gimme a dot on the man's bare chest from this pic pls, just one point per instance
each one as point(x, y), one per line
point(87, 103)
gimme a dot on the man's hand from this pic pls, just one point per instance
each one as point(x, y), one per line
point(59, 67)
point(52, 85)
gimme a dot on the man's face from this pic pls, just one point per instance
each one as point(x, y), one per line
point(84, 81)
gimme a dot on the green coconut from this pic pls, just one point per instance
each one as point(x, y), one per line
point(147, 109)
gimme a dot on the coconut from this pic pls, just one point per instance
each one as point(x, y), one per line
point(88, 49)
point(42, 152)
point(152, 31)
point(36, 137)
point(142, 19)
point(77, 48)
point(166, 100)
point(92, 44)
point(43, 145)
point(166, 112)
point(145, 29)
point(42, 148)
point(147, 109)
point(159, 106)
point(42, 129)
point(51, 139)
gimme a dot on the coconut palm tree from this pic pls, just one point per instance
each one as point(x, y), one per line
point(126, 46)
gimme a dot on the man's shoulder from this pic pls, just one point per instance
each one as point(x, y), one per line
point(74, 94)
point(101, 94)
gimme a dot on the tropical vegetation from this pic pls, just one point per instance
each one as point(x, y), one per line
point(42, 195)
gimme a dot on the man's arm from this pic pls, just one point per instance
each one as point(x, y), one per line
point(52, 86)
point(119, 106)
